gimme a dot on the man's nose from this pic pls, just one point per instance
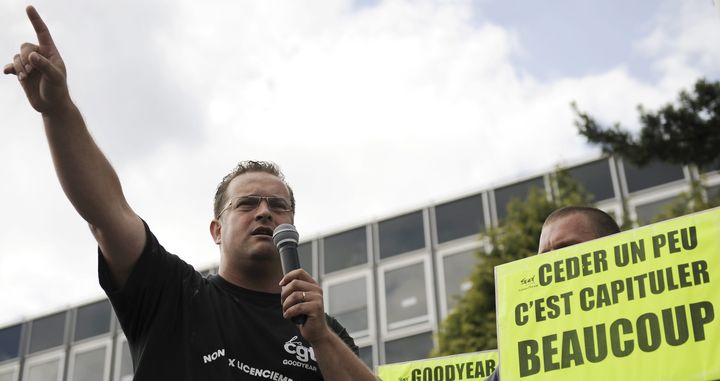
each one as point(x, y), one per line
point(263, 211)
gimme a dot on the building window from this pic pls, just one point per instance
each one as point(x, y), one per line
point(44, 368)
point(647, 213)
point(305, 254)
point(47, 371)
point(405, 296)
point(653, 174)
point(93, 320)
point(47, 332)
point(595, 177)
point(10, 342)
point(408, 348)
point(366, 355)
point(460, 218)
point(401, 234)
point(345, 249)
point(90, 362)
point(520, 191)
point(456, 272)
point(714, 166)
point(713, 193)
point(347, 302)
point(123, 363)
point(9, 372)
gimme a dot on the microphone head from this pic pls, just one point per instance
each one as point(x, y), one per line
point(285, 234)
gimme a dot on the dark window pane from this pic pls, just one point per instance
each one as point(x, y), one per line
point(366, 355)
point(519, 190)
point(713, 193)
point(401, 234)
point(90, 365)
point(348, 304)
point(305, 256)
point(457, 269)
point(408, 348)
point(595, 178)
point(345, 249)
point(405, 294)
point(126, 366)
point(10, 342)
point(92, 320)
point(47, 332)
point(460, 218)
point(648, 213)
point(714, 166)
point(653, 174)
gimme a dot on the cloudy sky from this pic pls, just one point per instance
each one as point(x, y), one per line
point(371, 107)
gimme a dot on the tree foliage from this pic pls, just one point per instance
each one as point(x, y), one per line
point(686, 133)
point(470, 326)
point(694, 200)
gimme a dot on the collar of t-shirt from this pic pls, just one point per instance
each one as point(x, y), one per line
point(264, 299)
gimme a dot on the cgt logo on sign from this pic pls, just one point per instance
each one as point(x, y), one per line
point(301, 352)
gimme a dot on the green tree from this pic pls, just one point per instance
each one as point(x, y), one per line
point(685, 133)
point(470, 326)
point(694, 200)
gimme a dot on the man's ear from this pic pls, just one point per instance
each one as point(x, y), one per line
point(216, 231)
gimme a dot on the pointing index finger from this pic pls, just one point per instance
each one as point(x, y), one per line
point(43, 34)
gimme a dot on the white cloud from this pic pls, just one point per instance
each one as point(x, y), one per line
point(370, 112)
point(684, 43)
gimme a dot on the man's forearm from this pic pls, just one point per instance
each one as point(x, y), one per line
point(86, 176)
point(338, 362)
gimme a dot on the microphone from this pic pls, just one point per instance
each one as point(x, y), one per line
point(286, 239)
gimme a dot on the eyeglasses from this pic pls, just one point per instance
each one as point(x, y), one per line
point(250, 203)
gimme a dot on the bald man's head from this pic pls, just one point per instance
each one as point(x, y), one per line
point(575, 224)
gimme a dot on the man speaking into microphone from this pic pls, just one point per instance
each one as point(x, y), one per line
point(179, 325)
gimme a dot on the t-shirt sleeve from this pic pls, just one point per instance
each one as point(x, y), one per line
point(342, 333)
point(152, 293)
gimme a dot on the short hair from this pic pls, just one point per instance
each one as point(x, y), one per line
point(602, 223)
point(248, 166)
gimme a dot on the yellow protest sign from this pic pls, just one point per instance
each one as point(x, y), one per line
point(639, 305)
point(469, 366)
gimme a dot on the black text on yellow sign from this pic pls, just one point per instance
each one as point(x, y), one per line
point(465, 367)
point(644, 295)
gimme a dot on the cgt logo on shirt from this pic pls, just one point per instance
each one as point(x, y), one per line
point(301, 352)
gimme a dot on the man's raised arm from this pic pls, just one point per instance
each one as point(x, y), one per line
point(86, 176)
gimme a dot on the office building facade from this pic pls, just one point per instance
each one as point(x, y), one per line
point(389, 282)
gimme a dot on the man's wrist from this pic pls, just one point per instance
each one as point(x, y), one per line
point(323, 339)
point(64, 110)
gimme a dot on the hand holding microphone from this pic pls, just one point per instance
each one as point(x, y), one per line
point(286, 239)
point(302, 296)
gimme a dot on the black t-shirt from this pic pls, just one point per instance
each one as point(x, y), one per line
point(181, 326)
